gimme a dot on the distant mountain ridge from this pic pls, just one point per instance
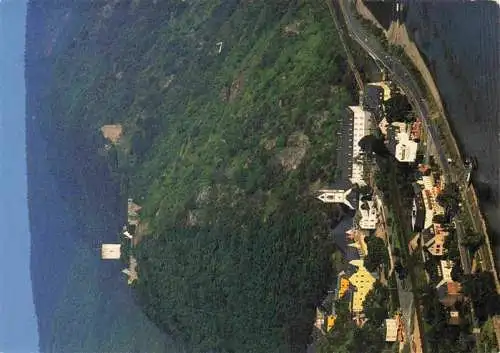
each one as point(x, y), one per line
point(82, 304)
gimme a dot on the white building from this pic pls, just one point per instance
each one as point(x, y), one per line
point(369, 215)
point(355, 127)
point(391, 330)
point(444, 271)
point(362, 121)
point(110, 251)
point(337, 196)
point(400, 143)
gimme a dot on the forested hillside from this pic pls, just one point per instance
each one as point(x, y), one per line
point(82, 303)
point(230, 112)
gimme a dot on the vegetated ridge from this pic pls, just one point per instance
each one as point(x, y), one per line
point(223, 146)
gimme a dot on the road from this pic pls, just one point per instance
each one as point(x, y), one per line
point(404, 288)
point(455, 171)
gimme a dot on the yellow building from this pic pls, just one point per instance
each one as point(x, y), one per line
point(324, 321)
point(363, 281)
point(385, 87)
point(330, 322)
point(343, 287)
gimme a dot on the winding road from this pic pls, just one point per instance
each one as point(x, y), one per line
point(455, 170)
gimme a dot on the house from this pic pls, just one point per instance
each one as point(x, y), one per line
point(430, 187)
point(363, 282)
point(450, 293)
point(434, 238)
point(319, 323)
point(399, 142)
point(444, 271)
point(369, 215)
point(416, 130)
point(131, 271)
point(325, 313)
point(133, 208)
point(133, 212)
point(454, 318)
point(343, 285)
point(391, 330)
point(418, 209)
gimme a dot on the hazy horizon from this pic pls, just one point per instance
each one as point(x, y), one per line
point(18, 325)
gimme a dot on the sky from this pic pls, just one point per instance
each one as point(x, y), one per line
point(18, 328)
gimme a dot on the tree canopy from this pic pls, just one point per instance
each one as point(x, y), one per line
point(377, 253)
point(449, 198)
point(397, 108)
point(229, 111)
point(472, 240)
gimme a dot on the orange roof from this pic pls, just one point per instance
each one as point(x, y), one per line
point(454, 287)
point(344, 286)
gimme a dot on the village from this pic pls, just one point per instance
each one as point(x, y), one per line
point(375, 244)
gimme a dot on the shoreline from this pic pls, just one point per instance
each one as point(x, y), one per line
point(397, 34)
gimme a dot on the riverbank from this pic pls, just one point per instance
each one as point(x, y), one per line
point(397, 34)
point(460, 44)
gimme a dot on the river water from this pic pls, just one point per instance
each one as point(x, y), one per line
point(460, 41)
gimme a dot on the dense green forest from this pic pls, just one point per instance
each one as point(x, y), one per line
point(230, 112)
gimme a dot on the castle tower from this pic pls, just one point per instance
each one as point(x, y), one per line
point(110, 251)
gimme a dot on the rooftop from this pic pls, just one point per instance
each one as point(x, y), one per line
point(369, 215)
point(444, 271)
point(347, 197)
point(363, 281)
point(372, 100)
point(391, 330)
point(418, 209)
point(344, 156)
point(399, 142)
point(341, 241)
